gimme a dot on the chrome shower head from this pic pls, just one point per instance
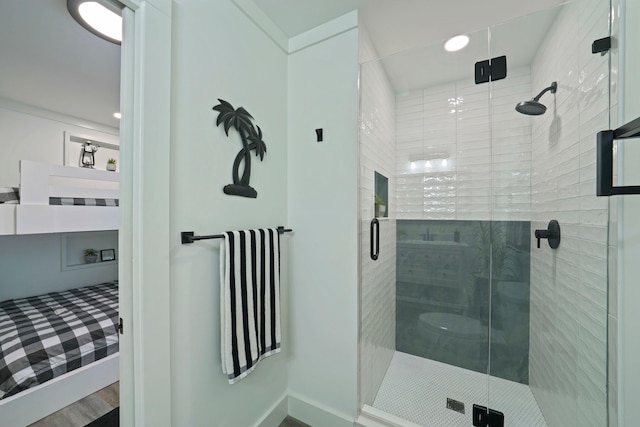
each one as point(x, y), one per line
point(533, 107)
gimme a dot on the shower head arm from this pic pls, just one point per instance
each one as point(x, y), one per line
point(551, 88)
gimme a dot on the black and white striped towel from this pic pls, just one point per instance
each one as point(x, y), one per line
point(249, 299)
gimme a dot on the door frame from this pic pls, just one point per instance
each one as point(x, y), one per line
point(144, 243)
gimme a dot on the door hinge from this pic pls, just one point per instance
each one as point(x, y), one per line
point(121, 326)
point(601, 46)
point(491, 69)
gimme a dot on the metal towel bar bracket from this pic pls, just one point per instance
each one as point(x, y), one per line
point(190, 237)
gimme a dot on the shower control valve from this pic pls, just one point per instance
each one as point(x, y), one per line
point(552, 234)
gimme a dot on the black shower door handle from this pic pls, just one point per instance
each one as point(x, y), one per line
point(604, 159)
point(375, 235)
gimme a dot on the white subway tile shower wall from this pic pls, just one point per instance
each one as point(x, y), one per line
point(457, 158)
point(378, 278)
point(569, 285)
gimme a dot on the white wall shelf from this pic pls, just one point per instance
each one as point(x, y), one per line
point(72, 246)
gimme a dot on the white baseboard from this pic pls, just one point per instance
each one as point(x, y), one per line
point(316, 414)
point(307, 411)
point(372, 417)
point(276, 414)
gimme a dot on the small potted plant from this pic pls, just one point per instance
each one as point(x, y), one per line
point(111, 165)
point(380, 207)
point(90, 255)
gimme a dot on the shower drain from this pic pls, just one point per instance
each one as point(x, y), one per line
point(455, 405)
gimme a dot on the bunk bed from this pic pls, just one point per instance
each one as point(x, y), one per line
point(55, 349)
point(58, 199)
point(86, 205)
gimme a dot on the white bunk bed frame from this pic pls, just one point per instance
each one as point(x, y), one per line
point(34, 215)
point(37, 402)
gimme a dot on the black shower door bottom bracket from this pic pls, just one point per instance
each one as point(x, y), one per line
point(487, 418)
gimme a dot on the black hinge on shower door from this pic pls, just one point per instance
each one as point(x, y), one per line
point(491, 69)
point(120, 326)
point(601, 46)
point(487, 418)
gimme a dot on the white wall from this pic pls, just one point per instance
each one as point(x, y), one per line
point(219, 53)
point(32, 264)
point(323, 211)
point(29, 133)
point(378, 278)
point(487, 150)
point(568, 359)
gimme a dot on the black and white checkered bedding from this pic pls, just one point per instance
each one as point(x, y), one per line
point(46, 336)
point(76, 201)
point(11, 195)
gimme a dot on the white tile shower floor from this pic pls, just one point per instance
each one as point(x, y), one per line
point(416, 389)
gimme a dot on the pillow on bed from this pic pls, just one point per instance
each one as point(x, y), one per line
point(9, 195)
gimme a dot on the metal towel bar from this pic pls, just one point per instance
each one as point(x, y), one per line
point(190, 237)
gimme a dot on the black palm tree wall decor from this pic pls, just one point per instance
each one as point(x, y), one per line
point(251, 138)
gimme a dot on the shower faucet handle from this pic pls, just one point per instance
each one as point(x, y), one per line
point(552, 234)
point(541, 234)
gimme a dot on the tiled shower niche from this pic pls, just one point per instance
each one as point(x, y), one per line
point(446, 273)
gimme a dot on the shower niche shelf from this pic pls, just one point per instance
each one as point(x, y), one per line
point(381, 196)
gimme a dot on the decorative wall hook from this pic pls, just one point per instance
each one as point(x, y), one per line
point(251, 137)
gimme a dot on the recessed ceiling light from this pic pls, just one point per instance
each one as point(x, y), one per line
point(101, 17)
point(117, 115)
point(456, 43)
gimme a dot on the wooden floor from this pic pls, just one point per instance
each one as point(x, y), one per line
point(82, 412)
point(292, 422)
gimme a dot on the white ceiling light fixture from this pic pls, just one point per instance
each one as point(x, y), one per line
point(456, 43)
point(101, 17)
point(117, 115)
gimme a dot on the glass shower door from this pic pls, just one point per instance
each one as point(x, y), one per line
point(425, 127)
point(462, 304)
point(548, 296)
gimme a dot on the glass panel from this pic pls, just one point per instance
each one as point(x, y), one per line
point(549, 306)
point(425, 125)
point(377, 291)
